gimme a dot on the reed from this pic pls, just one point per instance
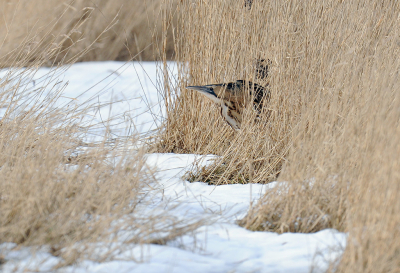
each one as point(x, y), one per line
point(330, 133)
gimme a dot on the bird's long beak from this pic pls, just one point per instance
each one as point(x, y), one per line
point(205, 90)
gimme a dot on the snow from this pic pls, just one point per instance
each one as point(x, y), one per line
point(219, 245)
point(130, 87)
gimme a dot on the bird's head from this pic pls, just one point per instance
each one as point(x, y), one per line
point(234, 91)
point(206, 90)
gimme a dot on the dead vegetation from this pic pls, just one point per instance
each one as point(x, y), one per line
point(54, 190)
point(332, 133)
point(133, 30)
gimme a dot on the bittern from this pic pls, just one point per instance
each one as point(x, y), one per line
point(232, 98)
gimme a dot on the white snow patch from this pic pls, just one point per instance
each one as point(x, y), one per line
point(219, 246)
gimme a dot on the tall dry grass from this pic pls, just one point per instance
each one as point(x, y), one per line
point(55, 189)
point(221, 42)
point(135, 30)
point(332, 135)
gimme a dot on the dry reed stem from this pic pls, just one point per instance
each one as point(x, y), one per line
point(30, 26)
point(55, 191)
point(333, 131)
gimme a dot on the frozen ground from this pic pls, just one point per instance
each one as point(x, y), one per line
point(219, 245)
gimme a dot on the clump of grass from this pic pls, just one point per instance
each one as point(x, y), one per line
point(207, 175)
point(54, 189)
point(216, 55)
point(332, 130)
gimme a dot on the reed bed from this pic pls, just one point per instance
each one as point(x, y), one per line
point(57, 191)
point(134, 30)
point(329, 135)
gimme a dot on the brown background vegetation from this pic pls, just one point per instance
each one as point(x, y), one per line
point(331, 130)
point(135, 30)
point(331, 135)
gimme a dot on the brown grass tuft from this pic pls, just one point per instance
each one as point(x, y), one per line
point(330, 130)
point(57, 191)
point(332, 135)
point(215, 55)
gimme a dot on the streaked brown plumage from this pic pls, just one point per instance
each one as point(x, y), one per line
point(233, 97)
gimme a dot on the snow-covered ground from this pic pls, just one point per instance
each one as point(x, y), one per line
point(220, 245)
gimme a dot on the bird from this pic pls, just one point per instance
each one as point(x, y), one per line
point(233, 97)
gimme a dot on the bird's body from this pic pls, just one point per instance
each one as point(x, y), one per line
point(233, 97)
